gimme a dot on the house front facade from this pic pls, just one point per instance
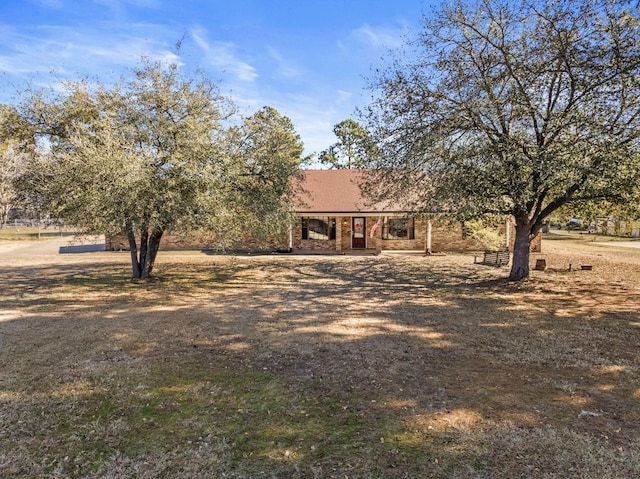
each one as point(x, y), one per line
point(334, 215)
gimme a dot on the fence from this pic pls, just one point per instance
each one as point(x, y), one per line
point(33, 228)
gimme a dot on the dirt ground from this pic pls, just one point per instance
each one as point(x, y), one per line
point(321, 366)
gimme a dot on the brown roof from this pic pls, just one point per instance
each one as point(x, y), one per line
point(335, 191)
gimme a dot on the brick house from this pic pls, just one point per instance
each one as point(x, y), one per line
point(332, 215)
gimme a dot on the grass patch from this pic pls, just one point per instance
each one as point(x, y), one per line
point(258, 423)
point(31, 234)
point(573, 236)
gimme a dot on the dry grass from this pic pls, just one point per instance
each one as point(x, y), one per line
point(321, 367)
point(12, 234)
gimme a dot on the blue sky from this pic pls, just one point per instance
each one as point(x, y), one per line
point(308, 59)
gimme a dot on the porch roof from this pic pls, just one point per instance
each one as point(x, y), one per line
point(337, 192)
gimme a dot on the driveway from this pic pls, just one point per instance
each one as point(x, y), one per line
point(623, 244)
point(62, 245)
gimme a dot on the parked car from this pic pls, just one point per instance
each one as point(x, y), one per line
point(574, 224)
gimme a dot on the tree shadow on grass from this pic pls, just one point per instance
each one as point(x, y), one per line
point(314, 368)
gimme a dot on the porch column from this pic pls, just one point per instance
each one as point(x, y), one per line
point(427, 244)
point(338, 233)
point(290, 237)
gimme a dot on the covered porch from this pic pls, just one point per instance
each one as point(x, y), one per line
point(359, 232)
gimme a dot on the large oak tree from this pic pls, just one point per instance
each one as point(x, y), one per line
point(153, 153)
point(514, 108)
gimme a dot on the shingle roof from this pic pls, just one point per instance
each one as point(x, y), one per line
point(335, 191)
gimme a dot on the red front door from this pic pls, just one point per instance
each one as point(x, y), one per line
point(359, 233)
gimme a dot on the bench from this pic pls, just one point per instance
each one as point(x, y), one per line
point(493, 258)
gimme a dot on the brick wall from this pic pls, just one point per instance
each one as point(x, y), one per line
point(311, 244)
point(449, 236)
point(202, 241)
point(445, 236)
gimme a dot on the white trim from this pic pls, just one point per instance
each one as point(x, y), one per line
point(291, 236)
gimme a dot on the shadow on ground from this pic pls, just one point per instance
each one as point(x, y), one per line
point(315, 367)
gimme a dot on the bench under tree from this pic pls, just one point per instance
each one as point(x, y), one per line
point(493, 258)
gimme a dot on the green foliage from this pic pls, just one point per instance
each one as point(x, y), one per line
point(485, 232)
point(514, 108)
point(13, 153)
point(589, 211)
point(353, 148)
point(268, 152)
point(151, 153)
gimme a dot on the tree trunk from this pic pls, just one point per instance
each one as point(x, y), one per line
point(151, 252)
point(4, 216)
point(133, 248)
point(143, 257)
point(521, 250)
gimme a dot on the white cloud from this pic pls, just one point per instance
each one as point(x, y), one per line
point(69, 51)
point(222, 55)
point(284, 68)
point(381, 37)
point(44, 55)
point(344, 95)
point(48, 56)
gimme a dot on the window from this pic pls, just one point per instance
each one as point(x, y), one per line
point(398, 228)
point(318, 228)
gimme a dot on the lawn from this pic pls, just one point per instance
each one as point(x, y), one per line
point(20, 233)
point(390, 366)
